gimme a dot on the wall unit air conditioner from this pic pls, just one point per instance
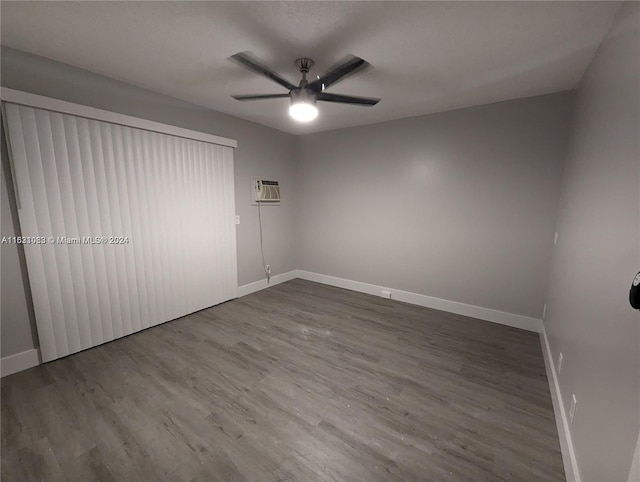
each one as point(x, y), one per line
point(265, 191)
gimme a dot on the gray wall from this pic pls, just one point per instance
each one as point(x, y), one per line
point(458, 205)
point(589, 318)
point(261, 152)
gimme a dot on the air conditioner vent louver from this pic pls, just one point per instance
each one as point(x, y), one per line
point(265, 191)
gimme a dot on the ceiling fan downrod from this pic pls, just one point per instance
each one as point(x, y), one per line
point(304, 65)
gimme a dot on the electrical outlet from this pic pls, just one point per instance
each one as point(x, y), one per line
point(544, 311)
point(555, 238)
point(237, 219)
point(386, 294)
point(560, 360)
point(572, 410)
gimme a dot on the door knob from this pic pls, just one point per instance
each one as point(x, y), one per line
point(634, 292)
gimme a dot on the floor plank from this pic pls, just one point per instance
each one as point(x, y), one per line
point(297, 382)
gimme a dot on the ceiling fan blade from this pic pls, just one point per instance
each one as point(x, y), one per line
point(259, 97)
point(346, 68)
point(246, 60)
point(346, 99)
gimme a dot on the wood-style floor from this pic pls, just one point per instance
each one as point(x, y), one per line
point(297, 382)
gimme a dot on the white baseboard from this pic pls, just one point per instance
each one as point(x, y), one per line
point(487, 314)
point(569, 460)
point(262, 284)
point(20, 361)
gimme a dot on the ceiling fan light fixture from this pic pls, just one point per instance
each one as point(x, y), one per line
point(303, 112)
point(303, 106)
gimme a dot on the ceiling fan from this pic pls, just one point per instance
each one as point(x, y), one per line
point(305, 94)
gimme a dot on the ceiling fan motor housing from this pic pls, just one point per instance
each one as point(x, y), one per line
point(303, 96)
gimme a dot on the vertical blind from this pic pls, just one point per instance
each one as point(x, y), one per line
point(123, 228)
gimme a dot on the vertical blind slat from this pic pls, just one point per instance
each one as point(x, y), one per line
point(83, 281)
point(132, 276)
point(68, 259)
point(144, 248)
point(119, 280)
point(132, 315)
point(44, 223)
point(94, 257)
point(102, 225)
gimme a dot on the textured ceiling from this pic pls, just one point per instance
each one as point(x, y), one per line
point(426, 56)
